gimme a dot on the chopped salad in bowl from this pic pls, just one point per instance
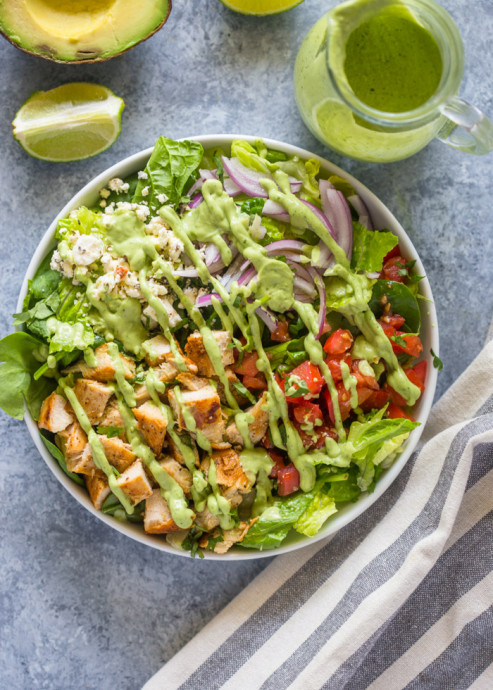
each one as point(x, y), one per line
point(220, 349)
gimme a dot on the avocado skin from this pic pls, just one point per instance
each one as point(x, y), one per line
point(47, 53)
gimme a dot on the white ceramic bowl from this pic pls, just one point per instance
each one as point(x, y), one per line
point(382, 218)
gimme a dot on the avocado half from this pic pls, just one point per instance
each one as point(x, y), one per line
point(75, 31)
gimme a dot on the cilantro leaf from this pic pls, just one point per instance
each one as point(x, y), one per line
point(437, 362)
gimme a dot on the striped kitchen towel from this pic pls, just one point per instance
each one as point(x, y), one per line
point(402, 597)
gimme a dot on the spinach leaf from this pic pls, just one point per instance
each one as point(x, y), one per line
point(370, 248)
point(56, 453)
point(401, 299)
point(169, 168)
point(21, 354)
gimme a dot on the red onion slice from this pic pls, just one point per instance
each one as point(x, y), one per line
point(268, 318)
point(318, 280)
point(231, 187)
point(362, 210)
point(284, 245)
point(196, 201)
point(204, 175)
point(336, 210)
point(276, 211)
point(248, 180)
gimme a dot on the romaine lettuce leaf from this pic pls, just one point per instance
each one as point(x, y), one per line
point(21, 354)
point(321, 507)
point(370, 248)
point(56, 453)
point(275, 522)
point(168, 170)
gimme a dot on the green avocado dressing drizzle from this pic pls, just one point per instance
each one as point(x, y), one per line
point(218, 504)
point(257, 464)
point(98, 454)
point(349, 381)
point(199, 484)
point(170, 489)
point(125, 387)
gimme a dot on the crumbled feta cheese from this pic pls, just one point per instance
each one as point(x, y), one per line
point(87, 250)
point(157, 289)
point(63, 266)
point(104, 193)
point(102, 203)
point(149, 315)
point(162, 198)
point(191, 293)
point(117, 185)
point(142, 175)
point(173, 316)
point(145, 191)
point(105, 284)
point(130, 285)
point(140, 210)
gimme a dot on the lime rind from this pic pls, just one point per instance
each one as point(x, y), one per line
point(50, 123)
point(260, 8)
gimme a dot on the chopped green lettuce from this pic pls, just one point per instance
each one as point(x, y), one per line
point(370, 248)
point(22, 354)
point(170, 167)
point(275, 522)
point(321, 507)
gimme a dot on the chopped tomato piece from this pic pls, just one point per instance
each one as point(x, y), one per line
point(338, 342)
point(278, 463)
point(310, 374)
point(363, 394)
point(316, 438)
point(344, 398)
point(396, 251)
point(255, 383)
point(396, 398)
point(396, 412)
point(248, 366)
point(413, 345)
point(393, 268)
point(395, 320)
point(288, 480)
point(375, 401)
point(281, 334)
point(366, 380)
point(307, 413)
point(266, 441)
point(420, 370)
point(334, 364)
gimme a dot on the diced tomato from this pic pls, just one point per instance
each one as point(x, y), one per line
point(393, 252)
point(420, 371)
point(363, 394)
point(415, 378)
point(278, 463)
point(334, 364)
point(363, 379)
point(315, 439)
point(255, 383)
point(392, 269)
point(311, 375)
point(266, 441)
point(248, 366)
point(344, 398)
point(307, 413)
point(288, 480)
point(338, 342)
point(413, 345)
point(281, 334)
point(395, 320)
point(375, 401)
point(396, 412)
point(326, 328)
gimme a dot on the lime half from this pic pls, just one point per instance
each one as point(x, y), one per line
point(69, 123)
point(260, 7)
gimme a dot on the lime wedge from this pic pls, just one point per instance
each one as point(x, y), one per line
point(69, 123)
point(260, 7)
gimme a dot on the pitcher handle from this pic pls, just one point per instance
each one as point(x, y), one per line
point(467, 128)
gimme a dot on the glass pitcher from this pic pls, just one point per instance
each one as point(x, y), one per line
point(342, 121)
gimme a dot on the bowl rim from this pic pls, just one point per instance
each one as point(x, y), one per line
point(136, 162)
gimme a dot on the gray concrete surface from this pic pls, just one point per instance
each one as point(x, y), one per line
point(80, 605)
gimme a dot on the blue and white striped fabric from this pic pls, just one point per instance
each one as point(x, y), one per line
point(400, 598)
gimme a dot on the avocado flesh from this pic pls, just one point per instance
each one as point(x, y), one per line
point(80, 30)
